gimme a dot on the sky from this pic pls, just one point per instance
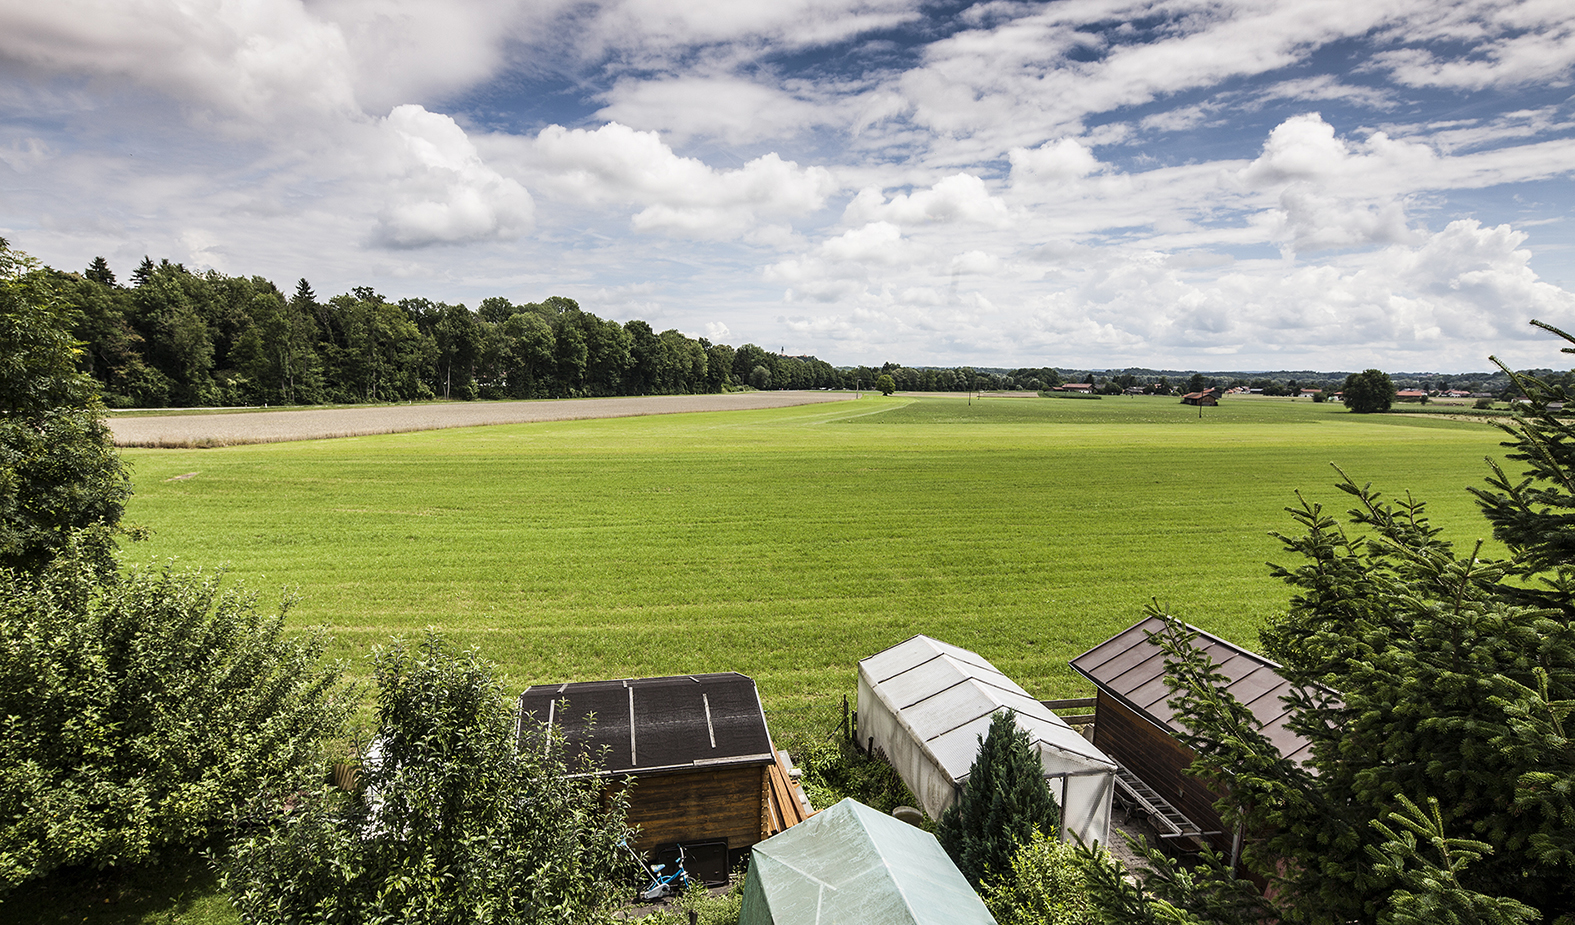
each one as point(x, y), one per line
point(1192, 184)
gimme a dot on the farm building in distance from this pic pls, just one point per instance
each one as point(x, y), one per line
point(926, 704)
point(706, 774)
point(1133, 723)
point(1208, 398)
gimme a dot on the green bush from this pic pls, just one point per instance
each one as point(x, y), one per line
point(708, 908)
point(834, 770)
point(145, 711)
point(1004, 803)
point(1045, 886)
point(451, 822)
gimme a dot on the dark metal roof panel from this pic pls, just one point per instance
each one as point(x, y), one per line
point(650, 724)
point(1132, 669)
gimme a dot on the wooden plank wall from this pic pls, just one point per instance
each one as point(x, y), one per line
point(703, 805)
point(1160, 760)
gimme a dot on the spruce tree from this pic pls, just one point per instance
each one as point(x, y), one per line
point(1425, 677)
point(99, 272)
point(1003, 804)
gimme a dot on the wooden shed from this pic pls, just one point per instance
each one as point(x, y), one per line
point(1134, 724)
point(706, 774)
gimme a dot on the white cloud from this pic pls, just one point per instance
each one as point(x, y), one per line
point(1508, 45)
point(251, 65)
point(1052, 162)
point(442, 192)
point(960, 198)
point(615, 163)
point(732, 109)
point(874, 243)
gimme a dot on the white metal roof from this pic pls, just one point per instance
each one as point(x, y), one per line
point(945, 696)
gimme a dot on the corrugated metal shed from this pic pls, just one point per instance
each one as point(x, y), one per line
point(1131, 668)
point(658, 724)
point(926, 704)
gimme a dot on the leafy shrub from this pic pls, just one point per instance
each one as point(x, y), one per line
point(834, 770)
point(1044, 886)
point(143, 711)
point(708, 908)
point(451, 821)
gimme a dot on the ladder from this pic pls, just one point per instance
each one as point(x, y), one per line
point(1166, 818)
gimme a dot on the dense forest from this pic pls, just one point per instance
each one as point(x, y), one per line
point(174, 337)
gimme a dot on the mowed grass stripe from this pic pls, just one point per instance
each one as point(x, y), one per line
point(787, 544)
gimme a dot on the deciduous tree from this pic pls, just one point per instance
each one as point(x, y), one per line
point(1368, 392)
point(144, 710)
point(59, 474)
point(452, 819)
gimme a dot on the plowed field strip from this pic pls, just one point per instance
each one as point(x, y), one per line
point(207, 430)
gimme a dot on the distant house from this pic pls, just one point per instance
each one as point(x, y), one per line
point(1411, 395)
point(1134, 724)
point(1086, 388)
point(1309, 393)
point(1207, 397)
point(706, 774)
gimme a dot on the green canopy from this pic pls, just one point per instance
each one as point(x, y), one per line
point(851, 865)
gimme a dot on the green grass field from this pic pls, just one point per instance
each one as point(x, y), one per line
point(788, 544)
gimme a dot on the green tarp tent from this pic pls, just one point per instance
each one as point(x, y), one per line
point(851, 865)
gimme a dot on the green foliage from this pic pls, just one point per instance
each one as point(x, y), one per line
point(721, 908)
point(1426, 864)
point(885, 384)
point(834, 770)
point(59, 475)
point(1368, 391)
point(1167, 892)
point(452, 821)
point(1045, 886)
point(1420, 675)
point(146, 711)
point(1003, 804)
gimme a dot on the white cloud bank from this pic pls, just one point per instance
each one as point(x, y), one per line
point(1015, 185)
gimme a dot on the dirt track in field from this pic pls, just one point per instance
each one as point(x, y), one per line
point(208, 430)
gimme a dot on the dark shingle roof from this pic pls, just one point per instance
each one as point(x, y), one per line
point(657, 724)
point(1132, 669)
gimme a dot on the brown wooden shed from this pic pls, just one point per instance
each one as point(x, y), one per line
point(1134, 724)
point(705, 771)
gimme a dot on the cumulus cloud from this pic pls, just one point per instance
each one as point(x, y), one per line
point(959, 198)
point(442, 191)
point(1056, 161)
point(251, 65)
point(615, 163)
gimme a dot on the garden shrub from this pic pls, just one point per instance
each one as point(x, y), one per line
point(451, 821)
point(145, 710)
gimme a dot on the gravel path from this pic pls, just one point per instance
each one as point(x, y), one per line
point(206, 430)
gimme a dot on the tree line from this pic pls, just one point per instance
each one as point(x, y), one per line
point(176, 337)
